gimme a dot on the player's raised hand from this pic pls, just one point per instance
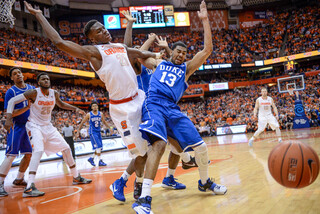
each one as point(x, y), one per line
point(31, 9)
point(128, 16)
point(203, 14)
point(8, 124)
point(161, 42)
point(152, 36)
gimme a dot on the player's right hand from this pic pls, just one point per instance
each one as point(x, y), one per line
point(31, 9)
point(8, 124)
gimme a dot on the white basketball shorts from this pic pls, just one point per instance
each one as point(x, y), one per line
point(127, 118)
point(270, 119)
point(45, 138)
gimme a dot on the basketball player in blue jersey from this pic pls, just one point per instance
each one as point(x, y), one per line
point(162, 116)
point(17, 138)
point(110, 62)
point(95, 118)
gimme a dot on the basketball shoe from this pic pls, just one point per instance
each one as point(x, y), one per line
point(137, 189)
point(81, 180)
point(101, 163)
point(117, 189)
point(187, 165)
point(170, 183)
point(143, 205)
point(19, 183)
point(3, 191)
point(32, 191)
point(91, 161)
point(210, 186)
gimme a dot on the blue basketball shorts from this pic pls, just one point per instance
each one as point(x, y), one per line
point(96, 140)
point(163, 118)
point(18, 140)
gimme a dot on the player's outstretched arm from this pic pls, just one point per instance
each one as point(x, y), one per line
point(85, 119)
point(201, 56)
point(84, 52)
point(65, 105)
point(135, 54)
point(146, 45)
point(103, 119)
point(128, 34)
point(28, 95)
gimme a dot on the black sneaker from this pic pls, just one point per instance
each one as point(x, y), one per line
point(81, 180)
point(19, 183)
point(3, 192)
point(32, 191)
point(192, 163)
point(137, 189)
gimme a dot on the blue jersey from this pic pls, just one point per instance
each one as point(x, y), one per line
point(168, 81)
point(12, 92)
point(144, 79)
point(95, 122)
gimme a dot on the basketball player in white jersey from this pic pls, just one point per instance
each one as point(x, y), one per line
point(263, 105)
point(43, 136)
point(111, 61)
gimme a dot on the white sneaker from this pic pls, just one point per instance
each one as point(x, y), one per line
point(220, 189)
point(250, 142)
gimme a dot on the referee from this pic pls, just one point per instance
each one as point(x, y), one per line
point(68, 136)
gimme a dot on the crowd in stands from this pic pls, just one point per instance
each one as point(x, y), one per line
point(231, 107)
point(263, 41)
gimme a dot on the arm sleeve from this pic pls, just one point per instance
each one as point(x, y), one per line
point(13, 101)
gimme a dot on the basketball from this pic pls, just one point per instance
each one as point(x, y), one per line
point(293, 164)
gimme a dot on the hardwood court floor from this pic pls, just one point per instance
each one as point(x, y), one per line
point(244, 170)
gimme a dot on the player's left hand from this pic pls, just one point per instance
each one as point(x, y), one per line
point(31, 9)
point(128, 16)
point(203, 14)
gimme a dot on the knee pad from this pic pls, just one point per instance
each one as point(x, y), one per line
point(67, 156)
point(201, 155)
point(98, 151)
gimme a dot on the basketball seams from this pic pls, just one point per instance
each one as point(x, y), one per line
point(284, 156)
point(302, 168)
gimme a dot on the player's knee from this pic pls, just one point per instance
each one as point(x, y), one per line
point(159, 147)
point(201, 155)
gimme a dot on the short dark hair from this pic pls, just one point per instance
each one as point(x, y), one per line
point(93, 102)
point(41, 74)
point(12, 69)
point(179, 43)
point(87, 27)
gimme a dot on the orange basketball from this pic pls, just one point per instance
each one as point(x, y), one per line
point(293, 164)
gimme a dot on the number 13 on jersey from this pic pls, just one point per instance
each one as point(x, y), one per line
point(170, 80)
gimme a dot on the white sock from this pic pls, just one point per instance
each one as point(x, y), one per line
point(99, 157)
point(185, 156)
point(170, 172)
point(20, 175)
point(74, 172)
point(31, 180)
point(139, 179)
point(125, 176)
point(146, 187)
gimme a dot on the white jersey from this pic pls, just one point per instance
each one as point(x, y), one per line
point(265, 106)
point(116, 71)
point(41, 109)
